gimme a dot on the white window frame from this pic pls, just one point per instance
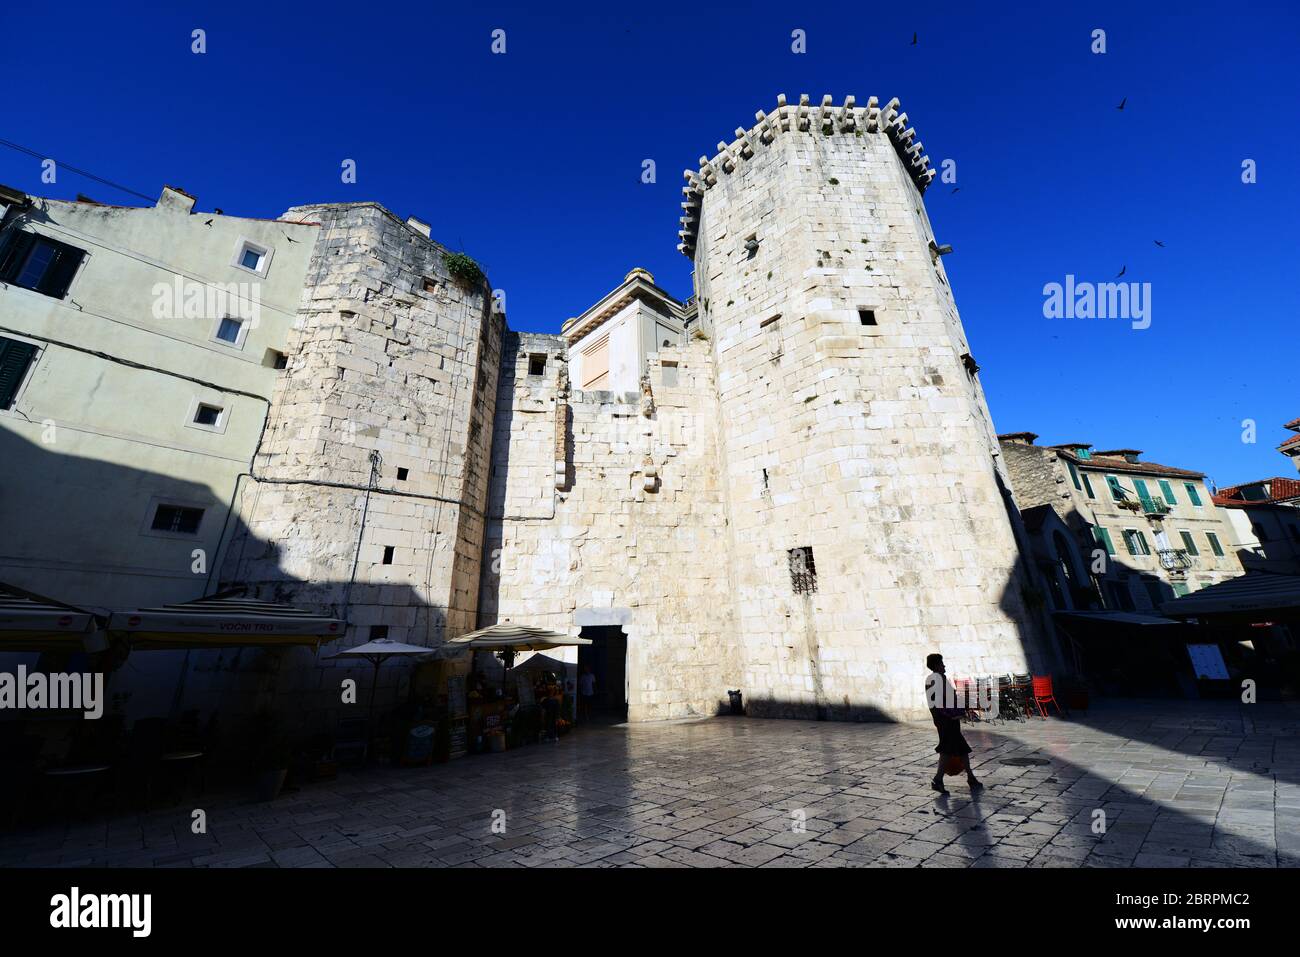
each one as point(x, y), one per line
point(265, 252)
point(238, 344)
point(1144, 547)
point(223, 418)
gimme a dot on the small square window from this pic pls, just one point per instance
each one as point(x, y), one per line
point(803, 571)
point(389, 550)
point(430, 285)
point(229, 329)
point(207, 415)
point(537, 365)
point(378, 632)
point(402, 474)
point(867, 317)
point(176, 518)
point(252, 256)
point(275, 359)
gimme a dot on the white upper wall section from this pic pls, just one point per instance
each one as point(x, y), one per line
point(610, 343)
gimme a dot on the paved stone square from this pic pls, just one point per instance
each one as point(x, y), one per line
point(1180, 783)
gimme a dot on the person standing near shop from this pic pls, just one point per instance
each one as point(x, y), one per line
point(586, 693)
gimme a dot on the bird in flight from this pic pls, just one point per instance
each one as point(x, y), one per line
point(913, 39)
point(1123, 269)
point(1158, 243)
point(956, 189)
point(1121, 103)
point(208, 224)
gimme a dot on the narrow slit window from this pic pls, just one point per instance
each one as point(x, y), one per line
point(389, 550)
point(867, 317)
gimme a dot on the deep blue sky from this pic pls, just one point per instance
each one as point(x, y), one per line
point(531, 162)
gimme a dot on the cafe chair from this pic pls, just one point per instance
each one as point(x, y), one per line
point(1043, 695)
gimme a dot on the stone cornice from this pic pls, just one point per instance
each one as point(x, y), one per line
point(800, 118)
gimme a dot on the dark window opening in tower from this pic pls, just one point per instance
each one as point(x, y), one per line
point(803, 570)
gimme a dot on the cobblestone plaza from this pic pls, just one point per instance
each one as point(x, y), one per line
point(1179, 784)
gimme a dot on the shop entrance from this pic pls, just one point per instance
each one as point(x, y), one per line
point(606, 656)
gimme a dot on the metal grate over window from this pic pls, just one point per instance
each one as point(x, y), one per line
point(803, 571)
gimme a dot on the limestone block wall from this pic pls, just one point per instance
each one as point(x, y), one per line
point(368, 494)
point(854, 426)
point(630, 530)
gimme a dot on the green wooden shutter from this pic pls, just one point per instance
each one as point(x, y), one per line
point(15, 357)
point(1192, 494)
point(1116, 492)
point(1074, 474)
point(1214, 544)
point(1144, 495)
point(1189, 544)
point(1168, 492)
point(1103, 538)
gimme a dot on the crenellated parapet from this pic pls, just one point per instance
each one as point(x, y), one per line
point(803, 117)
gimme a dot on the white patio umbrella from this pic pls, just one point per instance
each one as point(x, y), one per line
point(507, 639)
point(377, 652)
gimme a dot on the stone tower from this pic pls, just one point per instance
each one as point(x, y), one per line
point(368, 492)
point(866, 507)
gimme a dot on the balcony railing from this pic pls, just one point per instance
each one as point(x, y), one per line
point(1174, 559)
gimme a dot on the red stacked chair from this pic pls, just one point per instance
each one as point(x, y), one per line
point(1043, 695)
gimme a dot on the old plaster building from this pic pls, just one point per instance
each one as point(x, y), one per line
point(1157, 525)
point(1264, 518)
point(788, 485)
point(1291, 447)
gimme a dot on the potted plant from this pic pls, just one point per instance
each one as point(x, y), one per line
point(270, 754)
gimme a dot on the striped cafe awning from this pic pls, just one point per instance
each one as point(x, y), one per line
point(33, 623)
point(227, 620)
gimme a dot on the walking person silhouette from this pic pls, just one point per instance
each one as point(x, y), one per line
point(942, 698)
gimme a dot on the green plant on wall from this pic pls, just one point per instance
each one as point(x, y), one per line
point(463, 269)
